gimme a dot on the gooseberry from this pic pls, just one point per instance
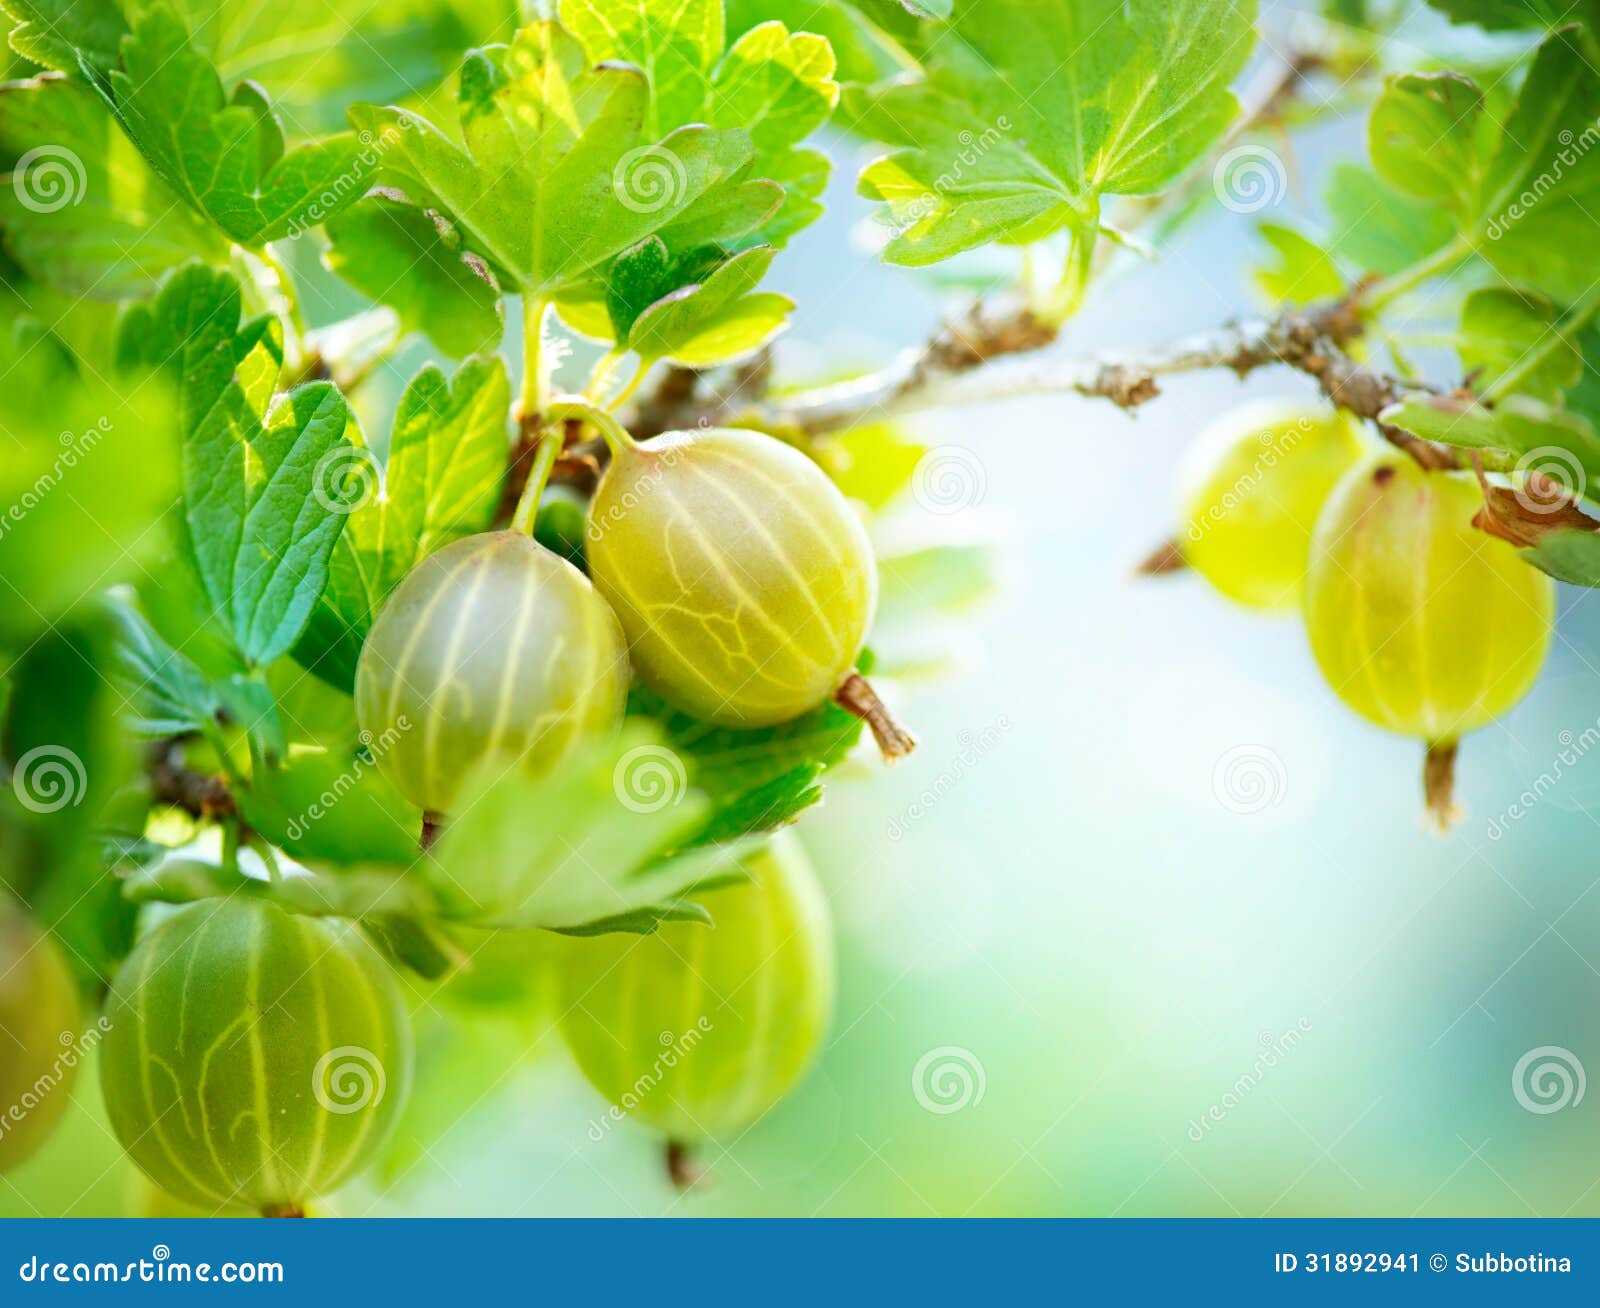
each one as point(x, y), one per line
point(491, 648)
point(698, 1030)
point(741, 576)
point(39, 1021)
point(1421, 623)
point(1250, 491)
point(255, 1058)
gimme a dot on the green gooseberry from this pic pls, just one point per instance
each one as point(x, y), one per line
point(491, 648)
point(255, 1058)
point(1250, 492)
point(40, 1018)
point(1420, 622)
point(743, 579)
point(698, 1030)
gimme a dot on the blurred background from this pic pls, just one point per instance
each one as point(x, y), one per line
point(1083, 971)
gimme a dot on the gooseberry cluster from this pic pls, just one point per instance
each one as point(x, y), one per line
point(1284, 507)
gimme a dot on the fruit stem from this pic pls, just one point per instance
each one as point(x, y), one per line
point(855, 695)
point(683, 1169)
point(611, 431)
point(535, 382)
point(1439, 785)
point(284, 1210)
point(1166, 557)
point(551, 440)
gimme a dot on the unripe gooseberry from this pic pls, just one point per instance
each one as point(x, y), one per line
point(1250, 492)
point(1422, 623)
point(491, 648)
point(698, 1030)
point(741, 576)
point(255, 1058)
point(39, 1021)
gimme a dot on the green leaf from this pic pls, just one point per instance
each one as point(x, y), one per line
point(169, 694)
point(263, 488)
point(225, 156)
point(592, 842)
point(1520, 426)
point(1304, 271)
point(1504, 331)
point(1569, 556)
point(441, 481)
point(858, 48)
point(1379, 230)
point(1029, 111)
point(1424, 137)
point(713, 320)
point(1506, 15)
point(58, 33)
point(557, 176)
point(1584, 398)
point(412, 261)
point(81, 210)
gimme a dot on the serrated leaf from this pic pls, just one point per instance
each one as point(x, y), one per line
point(402, 257)
point(446, 460)
point(557, 175)
point(81, 210)
point(714, 320)
point(170, 696)
point(1304, 271)
point(592, 842)
point(1029, 111)
point(1504, 331)
point(262, 486)
point(1424, 137)
point(224, 156)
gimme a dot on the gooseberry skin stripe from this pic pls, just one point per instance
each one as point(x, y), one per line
point(744, 581)
point(255, 1131)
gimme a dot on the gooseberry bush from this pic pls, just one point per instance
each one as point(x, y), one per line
point(427, 597)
